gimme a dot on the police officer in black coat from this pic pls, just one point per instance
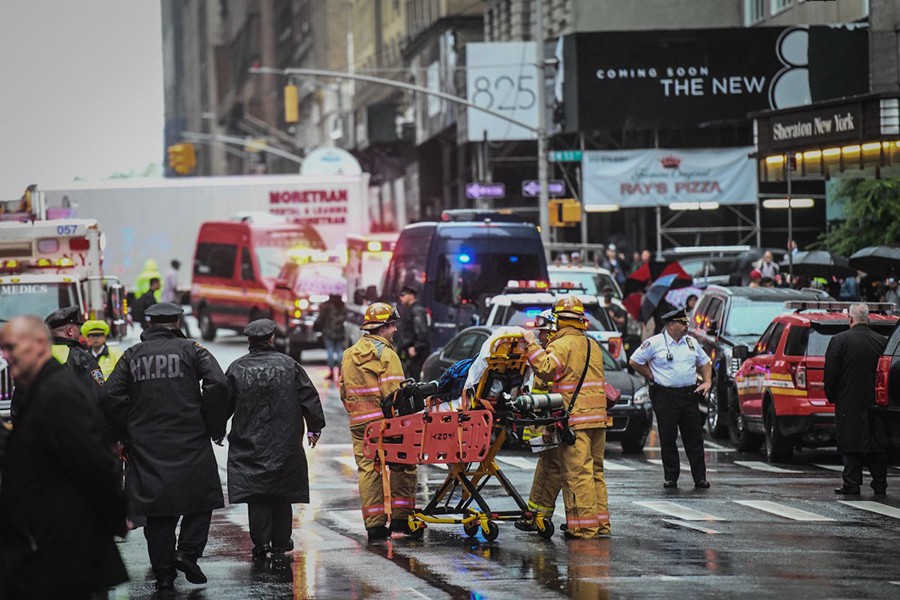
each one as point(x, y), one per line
point(61, 502)
point(167, 420)
point(65, 327)
point(850, 364)
point(412, 340)
point(272, 397)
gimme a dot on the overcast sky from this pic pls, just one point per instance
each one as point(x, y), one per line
point(81, 90)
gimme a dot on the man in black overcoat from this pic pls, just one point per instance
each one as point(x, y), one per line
point(167, 400)
point(60, 499)
point(850, 363)
point(272, 396)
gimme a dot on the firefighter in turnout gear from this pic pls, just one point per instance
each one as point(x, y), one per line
point(370, 371)
point(573, 368)
point(547, 480)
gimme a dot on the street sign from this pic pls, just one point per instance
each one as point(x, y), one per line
point(531, 188)
point(565, 156)
point(476, 191)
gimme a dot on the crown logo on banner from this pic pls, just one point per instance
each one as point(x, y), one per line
point(670, 162)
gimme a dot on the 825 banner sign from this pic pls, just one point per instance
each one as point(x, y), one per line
point(502, 77)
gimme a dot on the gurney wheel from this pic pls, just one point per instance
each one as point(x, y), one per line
point(548, 530)
point(492, 531)
point(471, 528)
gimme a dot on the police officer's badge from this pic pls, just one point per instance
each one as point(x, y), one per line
point(97, 374)
point(199, 345)
point(645, 345)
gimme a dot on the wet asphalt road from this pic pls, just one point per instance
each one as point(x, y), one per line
point(757, 533)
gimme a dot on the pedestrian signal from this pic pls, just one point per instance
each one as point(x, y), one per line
point(182, 158)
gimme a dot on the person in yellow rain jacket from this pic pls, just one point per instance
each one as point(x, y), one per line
point(370, 371)
point(561, 366)
point(142, 283)
point(95, 331)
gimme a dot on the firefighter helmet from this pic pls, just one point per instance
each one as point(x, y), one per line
point(545, 321)
point(379, 314)
point(569, 307)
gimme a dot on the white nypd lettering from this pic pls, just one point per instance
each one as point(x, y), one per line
point(160, 366)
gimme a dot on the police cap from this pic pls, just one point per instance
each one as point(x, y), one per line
point(70, 315)
point(410, 289)
point(260, 328)
point(94, 326)
point(164, 312)
point(676, 315)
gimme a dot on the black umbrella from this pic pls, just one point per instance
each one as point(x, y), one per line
point(818, 263)
point(876, 260)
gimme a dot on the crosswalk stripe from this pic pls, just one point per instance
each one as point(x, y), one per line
point(684, 466)
point(761, 466)
point(517, 461)
point(875, 507)
point(690, 526)
point(716, 449)
point(609, 465)
point(346, 460)
point(829, 467)
point(715, 445)
point(678, 511)
point(781, 510)
point(333, 446)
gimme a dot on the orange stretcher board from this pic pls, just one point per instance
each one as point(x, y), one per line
point(431, 438)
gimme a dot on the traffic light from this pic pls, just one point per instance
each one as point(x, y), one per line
point(182, 158)
point(291, 103)
point(565, 212)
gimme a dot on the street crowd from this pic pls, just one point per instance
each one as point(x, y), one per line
point(80, 415)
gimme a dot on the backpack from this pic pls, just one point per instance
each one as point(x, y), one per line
point(451, 383)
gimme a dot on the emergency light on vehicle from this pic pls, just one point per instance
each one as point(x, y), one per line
point(373, 246)
point(11, 265)
point(79, 243)
point(528, 284)
point(882, 380)
point(464, 259)
point(833, 306)
point(302, 303)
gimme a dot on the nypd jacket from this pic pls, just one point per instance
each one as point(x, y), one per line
point(561, 365)
point(167, 397)
point(370, 371)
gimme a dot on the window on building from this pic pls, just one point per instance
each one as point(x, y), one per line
point(754, 11)
point(780, 5)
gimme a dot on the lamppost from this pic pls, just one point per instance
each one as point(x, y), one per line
point(540, 131)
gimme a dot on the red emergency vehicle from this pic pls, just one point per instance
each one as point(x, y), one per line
point(780, 384)
point(236, 264)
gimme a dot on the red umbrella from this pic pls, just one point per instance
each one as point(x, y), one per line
point(632, 303)
point(653, 270)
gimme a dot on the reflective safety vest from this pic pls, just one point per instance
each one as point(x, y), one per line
point(60, 352)
point(108, 359)
point(370, 371)
point(561, 365)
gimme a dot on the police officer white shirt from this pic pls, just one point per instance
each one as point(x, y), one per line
point(673, 364)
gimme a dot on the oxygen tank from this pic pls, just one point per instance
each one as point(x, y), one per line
point(536, 402)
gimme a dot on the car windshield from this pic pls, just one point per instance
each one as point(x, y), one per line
point(466, 279)
point(41, 299)
point(320, 279)
point(750, 318)
point(593, 283)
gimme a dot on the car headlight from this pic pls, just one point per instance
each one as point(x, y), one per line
point(641, 396)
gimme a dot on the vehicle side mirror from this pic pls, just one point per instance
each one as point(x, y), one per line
point(282, 284)
point(741, 352)
point(371, 294)
point(359, 297)
point(713, 328)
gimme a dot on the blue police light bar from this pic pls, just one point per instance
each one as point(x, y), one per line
point(513, 259)
point(533, 312)
point(464, 259)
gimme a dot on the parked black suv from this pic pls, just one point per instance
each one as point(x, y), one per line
point(887, 388)
point(726, 317)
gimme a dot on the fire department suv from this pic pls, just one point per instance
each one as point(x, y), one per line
point(780, 384)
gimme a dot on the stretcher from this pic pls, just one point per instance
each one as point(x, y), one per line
point(467, 439)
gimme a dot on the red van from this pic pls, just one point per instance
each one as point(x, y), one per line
point(236, 264)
